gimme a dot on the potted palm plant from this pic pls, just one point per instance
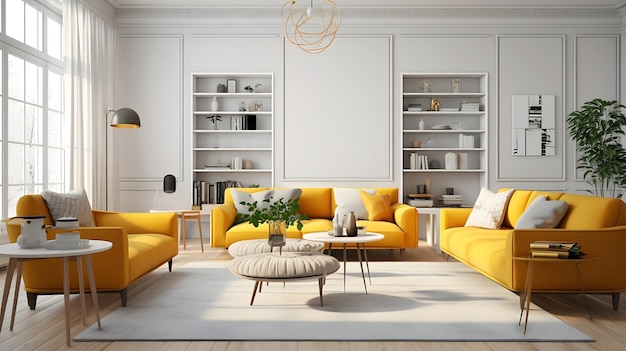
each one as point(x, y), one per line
point(279, 215)
point(597, 129)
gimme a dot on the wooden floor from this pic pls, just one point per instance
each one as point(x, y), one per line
point(44, 328)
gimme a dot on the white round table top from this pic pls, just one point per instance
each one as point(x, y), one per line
point(15, 251)
point(361, 238)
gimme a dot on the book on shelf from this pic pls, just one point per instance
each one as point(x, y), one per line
point(417, 161)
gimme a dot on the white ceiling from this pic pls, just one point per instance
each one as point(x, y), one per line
point(598, 4)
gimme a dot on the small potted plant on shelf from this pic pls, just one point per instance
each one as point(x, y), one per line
point(214, 119)
point(248, 89)
point(597, 129)
point(279, 214)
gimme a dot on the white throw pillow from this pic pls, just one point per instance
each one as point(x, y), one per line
point(489, 209)
point(75, 204)
point(273, 195)
point(542, 213)
point(242, 196)
point(349, 199)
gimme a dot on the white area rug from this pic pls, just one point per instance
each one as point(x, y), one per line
point(406, 301)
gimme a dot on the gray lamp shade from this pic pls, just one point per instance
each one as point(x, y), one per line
point(125, 118)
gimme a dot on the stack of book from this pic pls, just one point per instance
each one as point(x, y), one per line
point(555, 249)
point(470, 106)
point(420, 200)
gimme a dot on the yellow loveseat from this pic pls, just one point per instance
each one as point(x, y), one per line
point(142, 242)
point(319, 205)
point(597, 224)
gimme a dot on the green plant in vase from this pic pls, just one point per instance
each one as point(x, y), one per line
point(214, 119)
point(597, 129)
point(279, 215)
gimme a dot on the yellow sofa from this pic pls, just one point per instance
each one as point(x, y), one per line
point(142, 242)
point(597, 224)
point(319, 205)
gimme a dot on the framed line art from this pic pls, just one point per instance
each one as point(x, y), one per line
point(533, 125)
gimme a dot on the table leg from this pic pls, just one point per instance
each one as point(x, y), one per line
point(16, 293)
point(358, 253)
point(527, 292)
point(92, 287)
point(367, 263)
point(430, 233)
point(582, 289)
point(81, 287)
point(66, 297)
point(7, 288)
point(344, 267)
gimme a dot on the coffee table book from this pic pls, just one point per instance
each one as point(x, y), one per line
point(555, 249)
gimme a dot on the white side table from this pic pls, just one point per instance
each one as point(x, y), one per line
point(17, 256)
point(432, 225)
point(359, 240)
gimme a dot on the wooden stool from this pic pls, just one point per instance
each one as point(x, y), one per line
point(190, 215)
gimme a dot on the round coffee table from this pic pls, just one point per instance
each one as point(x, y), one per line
point(17, 256)
point(358, 240)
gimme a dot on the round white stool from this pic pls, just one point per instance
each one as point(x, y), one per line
point(257, 246)
point(288, 266)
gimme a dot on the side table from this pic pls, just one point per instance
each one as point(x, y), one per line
point(525, 298)
point(432, 225)
point(17, 256)
point(358, 240)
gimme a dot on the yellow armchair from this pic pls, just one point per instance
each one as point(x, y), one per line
point(142, 242)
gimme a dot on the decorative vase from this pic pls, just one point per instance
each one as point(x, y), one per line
point(277, 234)
point(350, 224)
point(214, 104)
point(221, 88)
point(33, 234)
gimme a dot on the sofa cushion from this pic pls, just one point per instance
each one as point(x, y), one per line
point(542, 213)
point(489, 209)
point(590, 212)
point(349, 199)
point(316, 202)
point(74, 204)
point(378, 207)
point(520, 200)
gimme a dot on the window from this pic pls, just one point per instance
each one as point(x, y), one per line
point(31, 133)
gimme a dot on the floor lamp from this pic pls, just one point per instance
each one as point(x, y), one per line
point(122, 118)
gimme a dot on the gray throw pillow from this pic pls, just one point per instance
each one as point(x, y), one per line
point(542, 213)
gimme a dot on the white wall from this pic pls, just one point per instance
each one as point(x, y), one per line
point(575, 58)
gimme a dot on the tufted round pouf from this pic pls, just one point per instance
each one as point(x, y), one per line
point(257, 246)
point(284, 267)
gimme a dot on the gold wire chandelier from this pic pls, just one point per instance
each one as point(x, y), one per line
point(311, 29)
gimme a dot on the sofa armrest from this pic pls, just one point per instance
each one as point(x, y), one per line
point(165, 223)
point(406, 218)
point(606, 243)
point(222, 218)
point(451, 217)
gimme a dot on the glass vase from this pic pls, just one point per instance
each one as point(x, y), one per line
point(277, 234)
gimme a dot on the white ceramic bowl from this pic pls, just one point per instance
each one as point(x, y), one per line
point(67, 222)
point(71, 237)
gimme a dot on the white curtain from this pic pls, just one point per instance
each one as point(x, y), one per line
point(88, 52)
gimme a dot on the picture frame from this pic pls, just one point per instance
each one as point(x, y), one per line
point(231, 85)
